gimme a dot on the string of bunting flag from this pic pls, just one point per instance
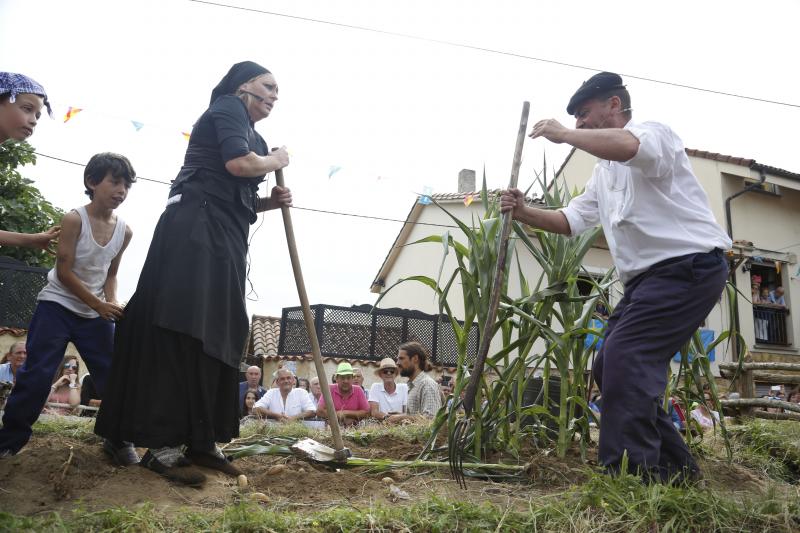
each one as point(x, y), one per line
point(73, 111)
point(424, 197)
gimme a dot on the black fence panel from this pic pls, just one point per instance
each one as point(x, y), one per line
point(19, 286)
point(361, 332)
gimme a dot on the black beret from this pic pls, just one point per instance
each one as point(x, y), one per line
point(596, 85)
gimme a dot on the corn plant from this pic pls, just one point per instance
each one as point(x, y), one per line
point(564, 318)
point(543, 331)
point(554, 314)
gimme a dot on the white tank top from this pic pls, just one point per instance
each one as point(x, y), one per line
point(91, 266)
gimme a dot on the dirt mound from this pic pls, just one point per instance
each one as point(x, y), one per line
point(387, 447)
point(60, 473)
point(300, 482)
point(57, 473)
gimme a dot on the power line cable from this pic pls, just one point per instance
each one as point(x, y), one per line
point(83, 165)
point(324, 211)
point(339, 213)
point(494, 51)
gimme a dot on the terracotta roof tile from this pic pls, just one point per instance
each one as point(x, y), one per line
point(461, 195)
point(14, 332)
point(743, 161)
point(720, 157)
point(264, 334)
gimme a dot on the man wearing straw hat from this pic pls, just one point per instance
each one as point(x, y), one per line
point(668, 250)
point(349, 402)
point(387, 397)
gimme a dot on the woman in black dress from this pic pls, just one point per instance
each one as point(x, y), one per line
point(174, 375)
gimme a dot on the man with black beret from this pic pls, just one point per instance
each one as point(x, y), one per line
point(668, 250)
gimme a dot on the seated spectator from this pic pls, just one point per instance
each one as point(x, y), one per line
point(315, 391)
point(12, 361)
point(246, 410)
point(358, 379)
point(776, 297)
point(445, 385)
point(386, 397)
point(775, 392)
point(285, 403)
point(794, 396)
point(89, 395)
point(66, 389)
point(676, 413)
point(349, 401)
point(595, 404)
point(303, 383)
point(424, 398)
point(252, 382)
point(704, 417)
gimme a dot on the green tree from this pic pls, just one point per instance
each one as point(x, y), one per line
point(22, 206)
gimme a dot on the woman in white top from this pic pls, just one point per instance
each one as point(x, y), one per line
point(387, 397)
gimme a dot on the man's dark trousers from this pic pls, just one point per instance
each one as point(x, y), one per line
point(660, 310)
point(51, 328)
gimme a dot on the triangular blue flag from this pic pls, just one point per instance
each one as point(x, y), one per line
point(137, 125)
point(333, 170)
point(425, 198)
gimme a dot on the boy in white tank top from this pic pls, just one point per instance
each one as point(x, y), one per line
point(78, 304)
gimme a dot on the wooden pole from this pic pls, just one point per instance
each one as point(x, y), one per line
point(494, 300)
point(762, 366)
point(761, 402)
point(333, 421)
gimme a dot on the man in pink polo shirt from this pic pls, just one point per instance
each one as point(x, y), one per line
point(350, 402)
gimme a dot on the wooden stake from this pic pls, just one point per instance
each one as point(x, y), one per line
point(494, 301)
point(333, 421)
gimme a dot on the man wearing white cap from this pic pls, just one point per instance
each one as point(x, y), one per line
point(387, 397)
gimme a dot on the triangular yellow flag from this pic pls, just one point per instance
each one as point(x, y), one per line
point(71, 112)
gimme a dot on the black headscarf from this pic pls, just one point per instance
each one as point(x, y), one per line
point(237, 75)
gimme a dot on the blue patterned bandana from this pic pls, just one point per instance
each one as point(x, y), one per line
point(20, 84)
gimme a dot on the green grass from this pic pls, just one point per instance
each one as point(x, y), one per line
point(81, 429)
point(772, 447)
point(602, 504)
point(363, 436)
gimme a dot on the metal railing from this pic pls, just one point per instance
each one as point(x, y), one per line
point(361, 332)
point(770, 324)
point(19, 286)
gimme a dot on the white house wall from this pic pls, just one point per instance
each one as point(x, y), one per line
point(425, 259)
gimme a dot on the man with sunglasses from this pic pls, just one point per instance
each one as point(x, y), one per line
point(387, 397)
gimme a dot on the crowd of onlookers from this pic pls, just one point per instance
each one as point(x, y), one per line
point(293, 398)
point(70, 393)
point(388, 400)
point(763, 294)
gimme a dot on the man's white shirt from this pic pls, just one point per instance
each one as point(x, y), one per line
point(297, 401)
point(389, 403)
point(651, 207)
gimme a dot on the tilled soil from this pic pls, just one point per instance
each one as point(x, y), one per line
point(59, 473)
